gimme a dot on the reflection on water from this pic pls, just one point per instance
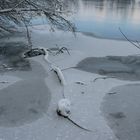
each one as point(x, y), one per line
point(104, 17)
point(121, 110)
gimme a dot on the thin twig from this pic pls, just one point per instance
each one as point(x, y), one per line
point(5, 29)
point(76, 124)
point(61, 50)
point(17, 5)
point(28, 36)
point(104, 78)
point(11, 10)
point(28, 33)
point(128, 39)
point(138, 43)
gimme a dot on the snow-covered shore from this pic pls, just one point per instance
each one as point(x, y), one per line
point(86, 98)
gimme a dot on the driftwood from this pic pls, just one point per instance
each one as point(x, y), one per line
point(60, 75)
point(34, 52)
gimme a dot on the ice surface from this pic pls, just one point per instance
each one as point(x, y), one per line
point(86, 109)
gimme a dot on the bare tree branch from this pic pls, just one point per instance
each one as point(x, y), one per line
point(17, 4)
point(137, 46)
point(11, 11)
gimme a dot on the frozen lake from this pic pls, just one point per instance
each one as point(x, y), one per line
point(121, 110)
point(26, 112)
point(102, 18)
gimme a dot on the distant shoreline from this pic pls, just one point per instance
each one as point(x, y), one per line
point(100, 37)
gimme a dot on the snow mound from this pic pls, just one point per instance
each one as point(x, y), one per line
point(64, 107)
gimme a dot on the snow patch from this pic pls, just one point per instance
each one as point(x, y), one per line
point(64, 107)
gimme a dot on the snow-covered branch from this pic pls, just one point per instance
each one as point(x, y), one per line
point(19, 11)
point(60, 75)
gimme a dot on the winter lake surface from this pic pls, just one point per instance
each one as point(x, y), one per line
point(121, 104)
point(27, 99)
point(120, 108)
point(102, 74)
point(102, 18)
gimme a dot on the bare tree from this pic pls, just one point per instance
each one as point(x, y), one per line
point(17, 12)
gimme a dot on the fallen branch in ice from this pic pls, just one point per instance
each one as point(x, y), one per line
point(46, 56)
point(61, 50)
point(60, 75)
point(78, 125)
point(64, 105)
point(56, 69)
point(64, 110)
point(58, 50)
point(34, 52)
point(104, 78)
point(82, 92)
point(4, 82)
point(80, 83)
point(68, 68)
point(44, 51)
point(112, 93)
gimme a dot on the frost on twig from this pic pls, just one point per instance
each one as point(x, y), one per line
point(61, 50)
point(58, 50)
point(60, 75)
point(11, 12)
point(103, 78)
point(44, 51)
